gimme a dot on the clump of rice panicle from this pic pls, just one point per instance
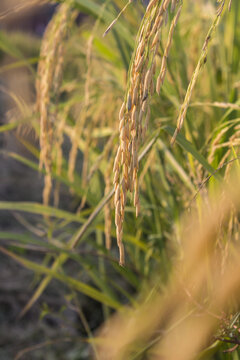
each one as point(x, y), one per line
point(48, 83)
point(135, 112)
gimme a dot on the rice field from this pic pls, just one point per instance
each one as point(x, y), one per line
point(124, 120)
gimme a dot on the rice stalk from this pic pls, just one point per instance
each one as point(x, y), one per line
point(230, 143)
point(82, 118)
point(108, 148)
point(58, 152)
point(217, 104)
point(79, 126)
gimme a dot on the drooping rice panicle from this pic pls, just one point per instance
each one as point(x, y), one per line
point(47, 85)
point(202, 60)
point(135, 112)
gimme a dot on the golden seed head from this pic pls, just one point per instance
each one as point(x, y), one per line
point(135, 113)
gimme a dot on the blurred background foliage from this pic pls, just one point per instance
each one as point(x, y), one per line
point(56, 241)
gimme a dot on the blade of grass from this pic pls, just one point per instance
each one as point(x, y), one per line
point(187, 146)
point(37, 208)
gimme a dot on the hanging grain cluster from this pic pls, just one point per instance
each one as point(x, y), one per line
point(47, 87)
point(135, 111)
